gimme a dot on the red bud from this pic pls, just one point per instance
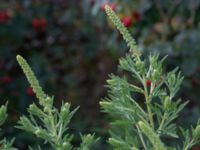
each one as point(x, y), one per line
point(4, 16)
point(148, 82)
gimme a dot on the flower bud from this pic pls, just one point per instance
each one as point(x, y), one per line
point(167, 102)
point(140, 65)
point(46, 109)
point(156, 74)
point(48, 101)
point(64, 113)
point(35, 110)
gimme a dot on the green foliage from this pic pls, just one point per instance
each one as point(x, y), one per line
point(45, 121)
point(175, 34)
point(4, 144)
point(144, 123)
point(87, 141)
point(7, 145)
point(135, 126)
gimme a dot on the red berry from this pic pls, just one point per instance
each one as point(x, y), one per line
point(113, 6)
point(4, 16)
point(39, 24)
point(6, 79)
point(36, 24)
point(29, 91)
point(127, 21)
point(148, 82)
point(137, 16)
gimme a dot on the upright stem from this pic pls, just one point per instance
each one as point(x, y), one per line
point(147, 99)
point(56, 141)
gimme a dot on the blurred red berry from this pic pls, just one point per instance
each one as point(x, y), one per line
point(36, 24)
point(4, 16)
point(6, 79)
point(113, 6)
point(137, 16)
point(29, 91)
point(39, 24)
point(148, 83)
point(127, 21)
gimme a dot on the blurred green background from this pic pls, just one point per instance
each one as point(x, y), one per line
point(72, 48)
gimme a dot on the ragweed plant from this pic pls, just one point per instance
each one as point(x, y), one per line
point(149, 126)
point(47, 122)
point(134, 126)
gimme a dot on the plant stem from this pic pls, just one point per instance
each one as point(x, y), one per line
point(55, 141)
point(141, 137)
point(147, 99)
point(162, 122)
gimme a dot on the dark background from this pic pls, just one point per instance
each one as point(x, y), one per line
point(72, 48)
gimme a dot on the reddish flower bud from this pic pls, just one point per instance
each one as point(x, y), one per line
point(137, 16)
point(29, 91)
point(127, 21)
point(6, 79)
point(148, 82)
